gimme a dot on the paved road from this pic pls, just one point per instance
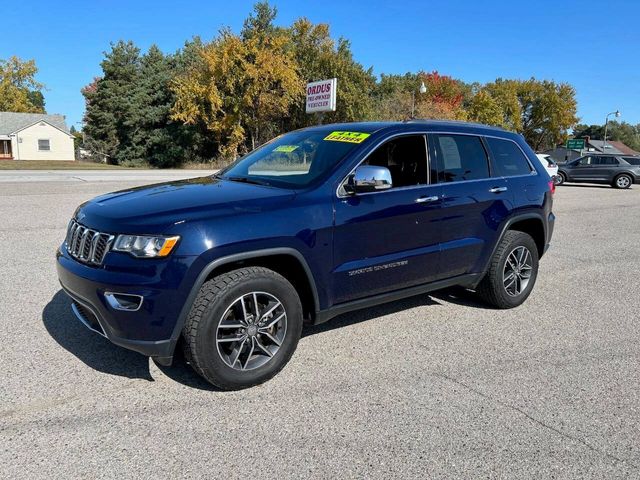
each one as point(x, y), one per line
point(433, 386)
point(93, 176)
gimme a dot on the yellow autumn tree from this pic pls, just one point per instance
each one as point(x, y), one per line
point(19, 91)
point(238, 88)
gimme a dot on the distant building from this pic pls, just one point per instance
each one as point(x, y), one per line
point(563, 154)
point(34, 136)
point(615, 148)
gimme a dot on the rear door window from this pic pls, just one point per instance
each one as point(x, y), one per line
point(604, 161)
point(508, 158)
point(460, 157)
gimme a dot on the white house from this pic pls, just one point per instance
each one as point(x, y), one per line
point(34, 136)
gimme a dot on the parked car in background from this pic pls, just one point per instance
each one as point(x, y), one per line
point(313, 224)
point(617, 171)
point(549, 165)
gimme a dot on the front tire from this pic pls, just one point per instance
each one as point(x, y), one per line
point(243, 327)
point(560, 178)
point(512, 272)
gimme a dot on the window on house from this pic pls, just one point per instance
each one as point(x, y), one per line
point(44, 145)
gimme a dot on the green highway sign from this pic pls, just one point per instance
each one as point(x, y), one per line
point(575, 144)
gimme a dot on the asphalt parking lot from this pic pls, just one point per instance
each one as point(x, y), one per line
point(429, 387)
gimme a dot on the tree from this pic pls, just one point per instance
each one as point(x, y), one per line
point(240, 87)
point(77, 139)
point(398, 95)
point(36, 98)
point(548, 112)
point(260, 22)
point(158, 140)
point(483, 108)
point(19, 90)
point(505, 95)
point(318, 57)
point(110, 104)
point(617, 131)
point(543, 111)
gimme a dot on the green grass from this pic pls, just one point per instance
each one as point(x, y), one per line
point(54, 165)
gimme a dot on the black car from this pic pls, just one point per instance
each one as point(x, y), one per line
point(614, 170)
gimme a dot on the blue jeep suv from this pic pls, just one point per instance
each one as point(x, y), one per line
point(315, 223)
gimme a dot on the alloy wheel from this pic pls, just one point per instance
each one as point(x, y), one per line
point(251, 331)
point(517, 271)
point(622, 181)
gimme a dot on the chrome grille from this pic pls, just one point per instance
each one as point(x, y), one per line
point(86, 245)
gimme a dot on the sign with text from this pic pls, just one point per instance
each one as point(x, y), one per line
point(575, 144)
point(321, 96)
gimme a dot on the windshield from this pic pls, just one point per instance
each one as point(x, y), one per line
point(294, 160)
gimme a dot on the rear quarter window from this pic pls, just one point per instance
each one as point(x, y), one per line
point(632, 160)
point(509, 159)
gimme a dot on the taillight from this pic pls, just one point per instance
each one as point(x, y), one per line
point(552, 186)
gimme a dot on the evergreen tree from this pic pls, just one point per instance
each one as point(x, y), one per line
point(110, 105)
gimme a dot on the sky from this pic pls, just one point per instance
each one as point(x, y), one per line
point(594, 46)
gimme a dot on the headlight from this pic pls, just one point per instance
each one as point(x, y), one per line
point(144, 246)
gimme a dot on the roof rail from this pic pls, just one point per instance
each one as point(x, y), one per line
point(454, 122)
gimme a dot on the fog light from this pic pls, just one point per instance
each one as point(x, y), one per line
point(124, 301)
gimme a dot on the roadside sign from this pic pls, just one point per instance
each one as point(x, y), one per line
point(575, 144)
point(321, 96)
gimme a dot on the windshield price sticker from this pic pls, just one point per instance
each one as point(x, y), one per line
point(349, 137)
point(285, 148)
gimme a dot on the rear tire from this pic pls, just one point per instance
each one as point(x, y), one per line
point(243, 327)
point(622, 181)
point(512, 271)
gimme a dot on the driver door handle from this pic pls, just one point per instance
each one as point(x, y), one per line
point(435, 198)
point(498, 189)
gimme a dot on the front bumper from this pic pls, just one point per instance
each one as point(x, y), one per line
point(151, 330)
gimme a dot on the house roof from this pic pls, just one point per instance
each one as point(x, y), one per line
point(623, 148)
point(613, 147)
point(11, 122)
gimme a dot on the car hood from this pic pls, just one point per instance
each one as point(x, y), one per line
point(155, 208)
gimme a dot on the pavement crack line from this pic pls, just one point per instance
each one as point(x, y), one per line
point(533, 419)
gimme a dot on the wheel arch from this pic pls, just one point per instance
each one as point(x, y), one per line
point(530, 223)
point(533, 226)
point(286, 261)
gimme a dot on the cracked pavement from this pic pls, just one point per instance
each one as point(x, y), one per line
point(431, 386)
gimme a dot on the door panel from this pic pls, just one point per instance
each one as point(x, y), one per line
point(389, 239)
point(474, 204)
point(473, 214)
point(582, 170)
point(385, 241)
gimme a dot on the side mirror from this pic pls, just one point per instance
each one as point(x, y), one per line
point(369, 178)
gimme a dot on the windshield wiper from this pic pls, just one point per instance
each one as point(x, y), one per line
point(254, 181)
